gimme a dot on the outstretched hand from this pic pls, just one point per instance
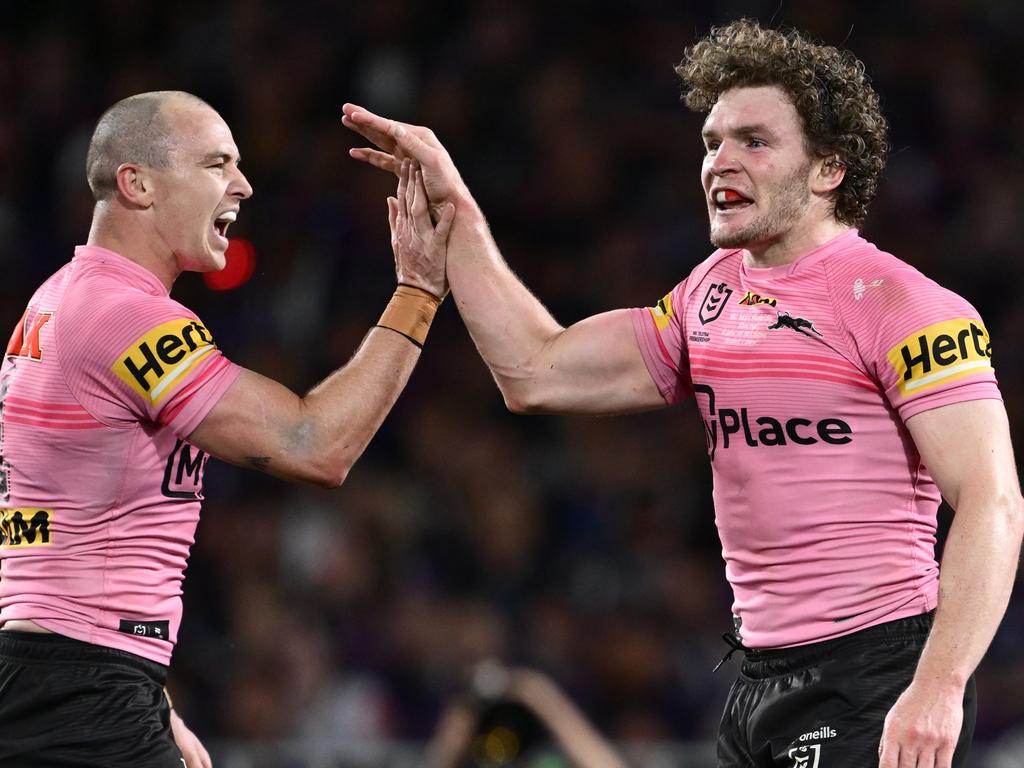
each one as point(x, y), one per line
point(395, 142)
point(421, 249)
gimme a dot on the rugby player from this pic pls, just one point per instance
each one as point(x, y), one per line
point(841, 390)
point(113, 396)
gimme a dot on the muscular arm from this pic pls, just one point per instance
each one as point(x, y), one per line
point(967, 449)
point(594, 366)
point(317, 438)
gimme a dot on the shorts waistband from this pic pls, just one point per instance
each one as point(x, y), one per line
point(779, 661)
point(49, 647)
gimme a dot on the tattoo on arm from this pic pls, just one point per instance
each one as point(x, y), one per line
point(260, 462)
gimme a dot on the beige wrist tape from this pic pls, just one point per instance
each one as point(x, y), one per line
point(410, 312)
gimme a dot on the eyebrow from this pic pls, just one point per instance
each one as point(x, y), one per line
point(224, 157)
point(743, 130)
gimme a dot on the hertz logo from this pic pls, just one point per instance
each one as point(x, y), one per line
point(940, 353)
point(662, 313)
point(155, 362)
point(751, 299)
point(24, 527)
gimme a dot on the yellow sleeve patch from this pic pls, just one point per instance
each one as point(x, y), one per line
point(162, 357)
point(940, 353)
point(662, 313)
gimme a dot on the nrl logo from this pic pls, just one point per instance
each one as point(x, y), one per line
point(714, 302)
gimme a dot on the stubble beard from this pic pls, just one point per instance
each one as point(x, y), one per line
point(791, 197)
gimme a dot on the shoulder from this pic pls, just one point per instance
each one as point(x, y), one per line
point(867, 280)
point(721, 260)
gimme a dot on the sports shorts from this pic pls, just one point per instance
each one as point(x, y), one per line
point(75, 705)
point(823, 705)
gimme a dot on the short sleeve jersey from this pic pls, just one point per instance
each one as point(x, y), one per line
point(805, 375)
point(103, 380)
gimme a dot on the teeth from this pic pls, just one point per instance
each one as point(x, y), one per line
point(228, 216)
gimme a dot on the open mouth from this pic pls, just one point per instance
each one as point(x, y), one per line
point(730, 200)
point(222, 222)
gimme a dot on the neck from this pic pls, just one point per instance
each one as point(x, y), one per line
point(120, 232)
point(793, 244)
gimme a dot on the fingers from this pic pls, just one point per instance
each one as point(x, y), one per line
point(376, 158)
point(393, 215)
point(386, 134)
point(444, 225)
point(418, 203)
point(888, 754)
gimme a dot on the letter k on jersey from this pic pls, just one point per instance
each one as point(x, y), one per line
point(24, 344)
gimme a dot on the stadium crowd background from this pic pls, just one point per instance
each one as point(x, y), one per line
point(584, 547)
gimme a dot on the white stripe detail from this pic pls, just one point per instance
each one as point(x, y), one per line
point(939, 375)
point(177, 371)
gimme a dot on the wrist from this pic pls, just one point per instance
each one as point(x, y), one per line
point(410, 313)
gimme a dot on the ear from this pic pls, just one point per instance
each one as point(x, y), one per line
point(135, 183)
point(828, 173)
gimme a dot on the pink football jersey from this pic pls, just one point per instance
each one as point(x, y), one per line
point(104, 379)
point(805, 375)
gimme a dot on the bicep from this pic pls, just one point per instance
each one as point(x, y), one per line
point(595, 366)
point(257, 423)
point(967, 450)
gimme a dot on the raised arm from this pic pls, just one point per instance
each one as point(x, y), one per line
point(318, 437)
point(594, 366)
point(966, 447)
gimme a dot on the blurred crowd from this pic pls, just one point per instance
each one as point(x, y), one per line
point(583, 547)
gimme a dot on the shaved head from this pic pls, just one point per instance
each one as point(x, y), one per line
point(134, 130)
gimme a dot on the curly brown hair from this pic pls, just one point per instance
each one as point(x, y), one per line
point(836, 103)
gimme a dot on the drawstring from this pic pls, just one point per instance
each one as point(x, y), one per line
point(735, 644)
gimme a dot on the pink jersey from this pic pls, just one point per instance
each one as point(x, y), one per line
point(104, 379)
point(804, 375)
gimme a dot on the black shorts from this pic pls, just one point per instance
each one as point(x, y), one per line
point(71, 704)
point(824, 705)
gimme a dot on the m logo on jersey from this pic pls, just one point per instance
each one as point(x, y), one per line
point(940, 353)
point(714, 302)
point(662, 313)
point(163, 356)
point(24, 527)
point(24, 344)
point(751, 299)
point(183, 476)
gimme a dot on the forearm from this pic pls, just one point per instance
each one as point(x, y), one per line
point(978, 569)
point(594, 366)
point(342, 413)
point(512, 330)
point(317, 438)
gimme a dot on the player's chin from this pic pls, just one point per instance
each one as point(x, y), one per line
point(727, 236)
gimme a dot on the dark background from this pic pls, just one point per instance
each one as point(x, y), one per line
point(585, 547)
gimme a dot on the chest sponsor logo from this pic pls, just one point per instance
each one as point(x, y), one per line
point(25, 527)
point(751, 299)
point(727, 426)
point(183, 476)
point(662, 312)
point(25, 339)
point(941, 353)
point(798, 324)
point(161, 358)
point(714, 302)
